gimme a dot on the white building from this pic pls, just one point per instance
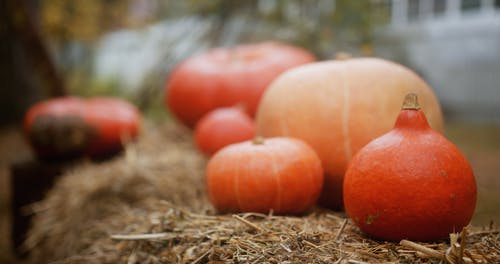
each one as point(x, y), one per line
point(454, 45)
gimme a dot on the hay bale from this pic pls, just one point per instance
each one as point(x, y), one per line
point(149, 206)
point(93, 200)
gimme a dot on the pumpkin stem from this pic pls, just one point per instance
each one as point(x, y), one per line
point(343, 55)
point(411, 102)
point(241, 106)
point(258, 140)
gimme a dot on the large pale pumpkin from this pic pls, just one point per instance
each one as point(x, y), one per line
point(339, 106)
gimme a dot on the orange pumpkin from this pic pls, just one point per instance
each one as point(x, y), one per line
point(68, 127)
point(222, 127)
point(279, 174)
point(411, 183)
point(228, 76)
point(339, 106)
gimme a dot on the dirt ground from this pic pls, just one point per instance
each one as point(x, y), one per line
point(479, 142)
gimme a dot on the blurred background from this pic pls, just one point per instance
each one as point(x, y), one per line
point(127, 48)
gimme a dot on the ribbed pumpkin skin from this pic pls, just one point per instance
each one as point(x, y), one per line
point(282, 174)
point(337, 107)
point(222, 127)
point(411, 183)
point(227, 76)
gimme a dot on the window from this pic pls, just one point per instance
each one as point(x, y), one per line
point(439, 6)
point(413, 9)
point(470, 4)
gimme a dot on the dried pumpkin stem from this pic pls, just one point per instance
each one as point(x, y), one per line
point(241, 106)
point(258, 140)
point(343, 55)
point(411, 102)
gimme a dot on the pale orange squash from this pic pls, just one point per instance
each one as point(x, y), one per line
point(339, 106)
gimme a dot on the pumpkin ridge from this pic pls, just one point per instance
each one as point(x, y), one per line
point(237, 185)
point(309, 174)
point(284, 127)
point(278, 179)
point(345, 116)
point(214, 198)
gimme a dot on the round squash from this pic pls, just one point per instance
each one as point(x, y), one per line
point(279, 174)
point(222, 127)
point(68, 127)
point(228, 76)
point(410, 183)
point(337, 107)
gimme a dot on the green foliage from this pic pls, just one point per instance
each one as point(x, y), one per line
point(353, 17)
point(79, 84)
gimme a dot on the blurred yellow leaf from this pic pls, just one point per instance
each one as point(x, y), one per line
point(81, 20)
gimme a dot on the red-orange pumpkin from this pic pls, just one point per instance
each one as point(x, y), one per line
point(222, 127)
point(411, 183)
point(228, 76)
point(338, 107)
point(279, 174)
point(70, 126)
